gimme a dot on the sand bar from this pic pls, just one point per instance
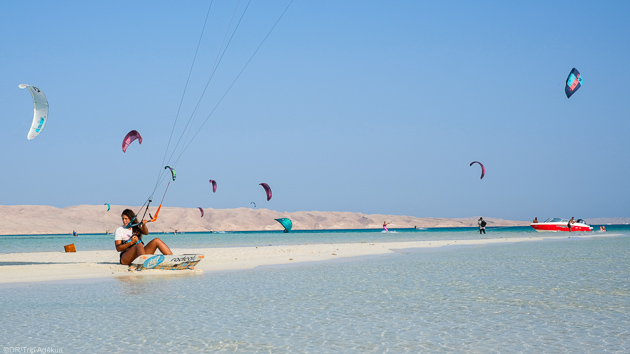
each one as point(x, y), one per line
point(49, 266)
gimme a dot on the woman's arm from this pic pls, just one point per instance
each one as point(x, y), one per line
point(120, 246)
point(143, 227)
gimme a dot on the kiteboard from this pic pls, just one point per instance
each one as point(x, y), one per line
point(168, 262)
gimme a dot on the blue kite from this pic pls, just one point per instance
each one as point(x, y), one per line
point(574, 82)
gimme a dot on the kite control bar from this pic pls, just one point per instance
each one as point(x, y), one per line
point(153, 218)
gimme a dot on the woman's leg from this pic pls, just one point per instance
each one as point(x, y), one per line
point(156, 243)
point(132, 253)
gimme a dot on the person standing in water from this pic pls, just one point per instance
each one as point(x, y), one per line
point(572, 221)
point(385, 223)
point(482, 225)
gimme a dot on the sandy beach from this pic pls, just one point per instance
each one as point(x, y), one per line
point(49, 266)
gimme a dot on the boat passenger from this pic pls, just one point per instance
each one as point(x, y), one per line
point(535, 220)
point(128, 239)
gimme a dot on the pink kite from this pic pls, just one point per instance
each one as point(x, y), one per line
point(202, 213)
point(267, 189)
point(214, 185)
point(129, 138)
point(483, 169)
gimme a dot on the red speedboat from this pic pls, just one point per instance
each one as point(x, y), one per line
point(559, 224)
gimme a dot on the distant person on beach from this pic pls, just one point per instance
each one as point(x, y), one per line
point(572, 221)
point(385, 223)
point(128, 239)
point(482, 225)
point(535, 220)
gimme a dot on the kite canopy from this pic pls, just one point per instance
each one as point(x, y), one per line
point(483, 169)
point(107, 206)
point(286, 223)
point(253, 203)
point(173, 174)
point(267, 190)
point(40, 102)
point(574, 82)
point(214, 185)
point(129, 138)
point(202, 213)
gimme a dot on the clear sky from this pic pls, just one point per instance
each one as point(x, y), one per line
point(359, 106)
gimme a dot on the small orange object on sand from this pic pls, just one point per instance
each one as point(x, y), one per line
point(70, 248)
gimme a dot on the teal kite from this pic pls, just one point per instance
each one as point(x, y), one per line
point(286, 223)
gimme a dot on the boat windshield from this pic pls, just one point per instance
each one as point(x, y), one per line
point(556, 220)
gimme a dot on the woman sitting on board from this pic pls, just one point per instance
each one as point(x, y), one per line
point(129, 239)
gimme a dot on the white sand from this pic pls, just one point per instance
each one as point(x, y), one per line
point(47, 266)
point(84, 219)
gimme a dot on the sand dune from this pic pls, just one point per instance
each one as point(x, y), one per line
point(38, 219)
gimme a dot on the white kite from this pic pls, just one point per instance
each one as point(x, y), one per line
point(41, 111)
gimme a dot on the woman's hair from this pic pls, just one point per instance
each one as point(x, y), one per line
point(131, 215)
point(128, 213)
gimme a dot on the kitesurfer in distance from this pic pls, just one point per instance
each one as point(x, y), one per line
point(385, 223)
point(128, 239)
point(572, 221)
point(482, 225)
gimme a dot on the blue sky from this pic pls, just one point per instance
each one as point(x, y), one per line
point(360, 106)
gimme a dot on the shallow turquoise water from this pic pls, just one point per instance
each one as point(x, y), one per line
point(562, 296)
point(46, 243)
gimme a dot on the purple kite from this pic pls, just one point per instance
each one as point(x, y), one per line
point(214, 185)
point(202, 213)
point(483, 169)
point(267, 189)
point(129, 138)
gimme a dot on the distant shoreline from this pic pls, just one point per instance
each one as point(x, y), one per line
point(278, 231)
point(96, 219)
point(297, 231)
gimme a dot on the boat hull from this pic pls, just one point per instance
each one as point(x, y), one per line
point(555, 227)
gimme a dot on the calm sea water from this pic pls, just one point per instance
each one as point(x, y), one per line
point(47, 243)
point(564, 296)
